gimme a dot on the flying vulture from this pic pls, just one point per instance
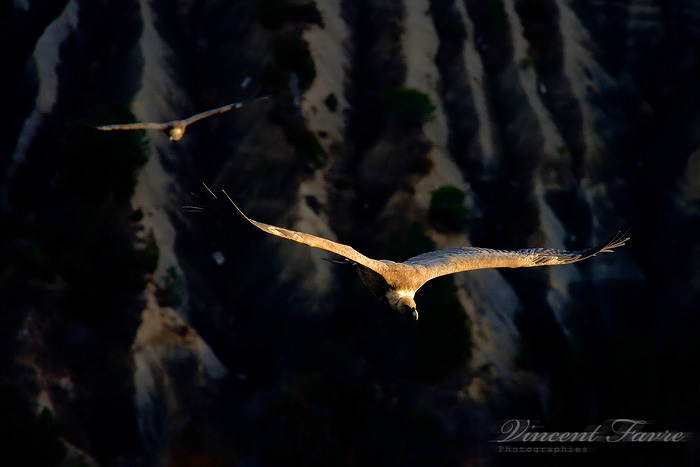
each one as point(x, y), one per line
point(397, 283)
point(176, 128)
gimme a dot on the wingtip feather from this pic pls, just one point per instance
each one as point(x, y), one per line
point(617, 240)
point(209, 190)
point(236, 206)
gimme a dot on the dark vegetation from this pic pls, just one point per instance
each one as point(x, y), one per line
point(539, 18)
point(174, 289)
point(291, 71)
point(360, 385)
point(377, 67)
point(358, 396)
point(273, 14)
point(341, 421)
point(409, 107)
point(292, 54)
point(70, 259)
point(35, 440)
point(76, 225)
point(447, 207)
point(305, 141)
point(331, 102)
point(349, 388)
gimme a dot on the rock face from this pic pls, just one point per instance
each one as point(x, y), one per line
point(155, 336)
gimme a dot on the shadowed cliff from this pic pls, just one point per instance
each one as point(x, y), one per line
point(154, 336)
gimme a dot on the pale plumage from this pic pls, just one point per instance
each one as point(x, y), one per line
point(176, 128)
point(397, 283)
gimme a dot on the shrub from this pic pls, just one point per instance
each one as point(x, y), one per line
point(273, 76)
point(454, 32)
point(408, 106)
point(496, 16)
point(174, 291)
point(305, 142)
point(537, 18)
point(148, 257)
point(292, 53)
point(274, 13)
point(447, 206)
point(526, 62)
point(331, 102)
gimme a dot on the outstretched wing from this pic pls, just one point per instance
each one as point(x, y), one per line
point(177, 123)
point(218, 110)
point(134, 126)
point(442, 262)
point(209, 113)
point(316, 242)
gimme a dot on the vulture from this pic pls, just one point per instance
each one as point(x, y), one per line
point(397, 283)
point(176, 128)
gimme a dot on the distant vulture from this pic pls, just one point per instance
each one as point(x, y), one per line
point(176, 128)
point(397, 283)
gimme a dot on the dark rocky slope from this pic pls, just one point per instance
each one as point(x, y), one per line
point(155, 336)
